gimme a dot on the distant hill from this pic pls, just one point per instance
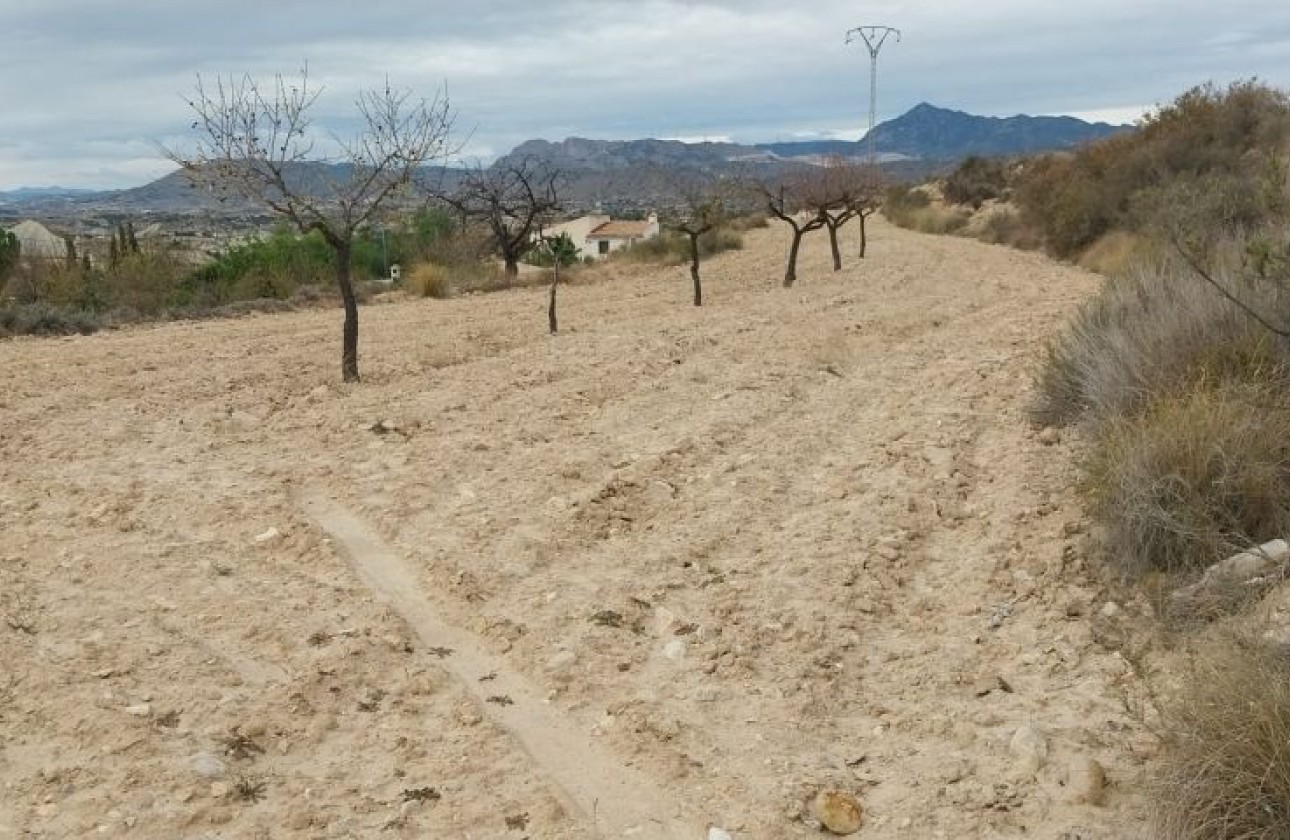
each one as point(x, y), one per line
point(930, 133)
point(618, 176)
point(30, 193)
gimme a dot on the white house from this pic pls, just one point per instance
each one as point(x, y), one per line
point(598, 235)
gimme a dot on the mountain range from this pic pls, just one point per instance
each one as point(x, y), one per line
point(626, 175)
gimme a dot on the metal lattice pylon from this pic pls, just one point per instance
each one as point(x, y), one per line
point(874, 37)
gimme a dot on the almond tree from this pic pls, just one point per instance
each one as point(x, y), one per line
point(254, 141)
point(844, 191)
point(793, 204)
point(513, 201)
point(703, 210)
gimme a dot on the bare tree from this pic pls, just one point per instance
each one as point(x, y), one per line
point(563, 253)
point(844, 191)
point(704, 209)
point(254, 141)
point(512, 200)
point(792, 202)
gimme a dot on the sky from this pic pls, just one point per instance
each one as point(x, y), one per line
point(90, 91)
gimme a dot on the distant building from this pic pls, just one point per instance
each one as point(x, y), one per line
point(599, 236)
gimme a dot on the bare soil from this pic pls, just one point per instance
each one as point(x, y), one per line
point(673, 568)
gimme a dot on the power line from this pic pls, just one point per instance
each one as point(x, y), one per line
point(874, 37)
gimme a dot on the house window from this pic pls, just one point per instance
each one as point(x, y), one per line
point(604, 246)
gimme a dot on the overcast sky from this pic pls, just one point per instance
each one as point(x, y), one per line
point(89, 88)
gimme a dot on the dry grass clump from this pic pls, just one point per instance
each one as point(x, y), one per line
point(428, 280)
point(1193, 478)
point(1187, 401)
point(1154, 330)
point(915, 209)
point(1225, 767)
point(47, 319)
point(445, 281)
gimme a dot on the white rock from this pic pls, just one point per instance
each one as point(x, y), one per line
point(658, 492)
point(674, 650)
point(715, 833)
point(208, 766)
point(665, 622)
point(268, 536)
point(1030, 746)
point(562, 661)
point(139, 710)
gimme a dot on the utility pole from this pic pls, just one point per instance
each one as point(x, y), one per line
point(873, 37)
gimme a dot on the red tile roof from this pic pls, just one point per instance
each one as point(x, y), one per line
point(619, 230)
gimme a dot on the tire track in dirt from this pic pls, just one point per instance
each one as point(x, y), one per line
point(613, 799)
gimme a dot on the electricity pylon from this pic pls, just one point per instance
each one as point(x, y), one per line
point(873, 37)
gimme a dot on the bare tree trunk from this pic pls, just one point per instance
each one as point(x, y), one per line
point(790, 275)
point(694, 269)
point(550, 310)
point(863, 238)
point(833, 243)
point(349, 337)
point(512, 266)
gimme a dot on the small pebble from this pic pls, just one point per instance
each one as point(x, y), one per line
point(1085, 781)
point(839, 811)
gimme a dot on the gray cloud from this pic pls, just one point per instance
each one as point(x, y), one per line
point(100, 84)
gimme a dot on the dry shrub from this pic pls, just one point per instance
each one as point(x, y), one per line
point(934, 218)
point(46, 319)
point(1225, 766)
point(1195, 477)
point(746, 223)
point(672, 248)
point(1115, 253)
point(428, 280)
point(1150, 332)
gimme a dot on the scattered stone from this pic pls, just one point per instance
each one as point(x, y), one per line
point(658, 493)
point(1085, 781)
point(1239, 570)
point(208, 766)
point(562, 662)
point(1109, 610)
point(139, 710)
point(665, 622)
point(887, 552)
point(1049, 436)
point(1030, 746)
point(715, 833)
point(986, 685)
point(940, 458)
point(839, 811)
point(268, 536)
point(607, 618)
point(674, 650)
